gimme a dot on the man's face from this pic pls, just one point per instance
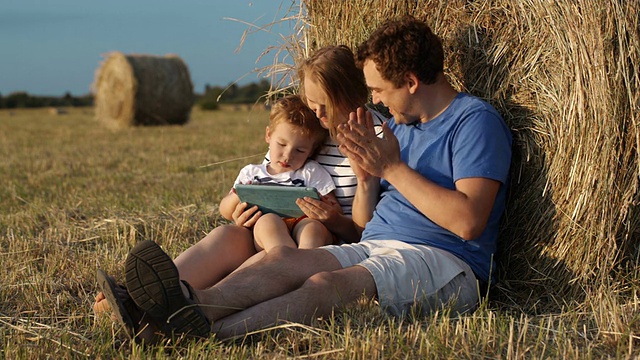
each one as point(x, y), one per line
point(397, 99)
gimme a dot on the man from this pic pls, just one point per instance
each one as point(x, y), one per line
point(431, 193)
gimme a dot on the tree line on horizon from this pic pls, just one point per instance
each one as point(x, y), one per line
point(208, 100)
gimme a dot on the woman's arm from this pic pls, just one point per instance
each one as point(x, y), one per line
point(368, 189)
point(367, 196)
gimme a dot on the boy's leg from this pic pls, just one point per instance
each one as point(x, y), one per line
point(311, 233)
point(215, 256)
point(271, 231)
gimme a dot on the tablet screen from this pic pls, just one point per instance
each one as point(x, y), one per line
point(280, 200)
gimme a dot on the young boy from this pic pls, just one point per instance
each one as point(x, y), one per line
point(294, 134)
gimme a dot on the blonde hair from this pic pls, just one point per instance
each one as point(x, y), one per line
point(292, 110)
point(334, 69)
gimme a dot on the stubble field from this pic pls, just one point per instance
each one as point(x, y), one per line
point(76, 196)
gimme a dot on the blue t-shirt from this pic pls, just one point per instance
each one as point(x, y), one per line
point(469, 139)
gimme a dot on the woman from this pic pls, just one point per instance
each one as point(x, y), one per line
point(332, 86)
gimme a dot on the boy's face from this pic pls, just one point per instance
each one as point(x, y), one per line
point(288, 148)
point(397, 99)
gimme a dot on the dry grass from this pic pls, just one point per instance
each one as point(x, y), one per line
point(77, 196)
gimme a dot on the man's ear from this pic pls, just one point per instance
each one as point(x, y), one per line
point(412, 82)
point(267, 135)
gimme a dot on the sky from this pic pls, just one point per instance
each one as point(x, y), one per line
point(51, 47)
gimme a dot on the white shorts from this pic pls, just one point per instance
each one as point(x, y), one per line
point(407, 274)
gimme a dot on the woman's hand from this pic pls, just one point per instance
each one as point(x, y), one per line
point(347, 144)
point(245, 217)
point(368, 154)
point(329, 213)
point(325, 210)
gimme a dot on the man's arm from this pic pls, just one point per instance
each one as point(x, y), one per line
point(463, 211)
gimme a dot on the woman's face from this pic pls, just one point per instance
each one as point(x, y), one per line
point(316, 100)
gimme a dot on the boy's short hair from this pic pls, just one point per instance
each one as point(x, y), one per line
point(292, 110)
point(403, 45)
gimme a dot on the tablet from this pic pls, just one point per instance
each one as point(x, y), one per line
point(277, 199)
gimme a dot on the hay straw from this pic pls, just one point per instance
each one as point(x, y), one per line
point(564, 76)
point(143, 90)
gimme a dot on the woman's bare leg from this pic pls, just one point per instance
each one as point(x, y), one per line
point(215, 256)
point(218, 254)
point(252, 260)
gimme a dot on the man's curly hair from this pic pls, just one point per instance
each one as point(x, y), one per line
point(403, 45)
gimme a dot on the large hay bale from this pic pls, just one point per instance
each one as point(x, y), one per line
point(143, 90)
point(564, 75)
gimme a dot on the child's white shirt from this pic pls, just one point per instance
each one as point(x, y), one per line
point(311, 174)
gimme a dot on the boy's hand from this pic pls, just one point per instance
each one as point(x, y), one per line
point(246, 217)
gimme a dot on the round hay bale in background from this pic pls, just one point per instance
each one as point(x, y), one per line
point(143, 90)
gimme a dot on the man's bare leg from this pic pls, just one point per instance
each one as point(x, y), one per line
point(318, 297)
point(281, 271)
point(252, 260)
point(153, 283)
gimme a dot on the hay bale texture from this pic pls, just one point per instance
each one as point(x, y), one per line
point(142, 89)
point(564, 76)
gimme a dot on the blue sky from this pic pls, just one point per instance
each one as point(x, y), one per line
point(50, 47)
